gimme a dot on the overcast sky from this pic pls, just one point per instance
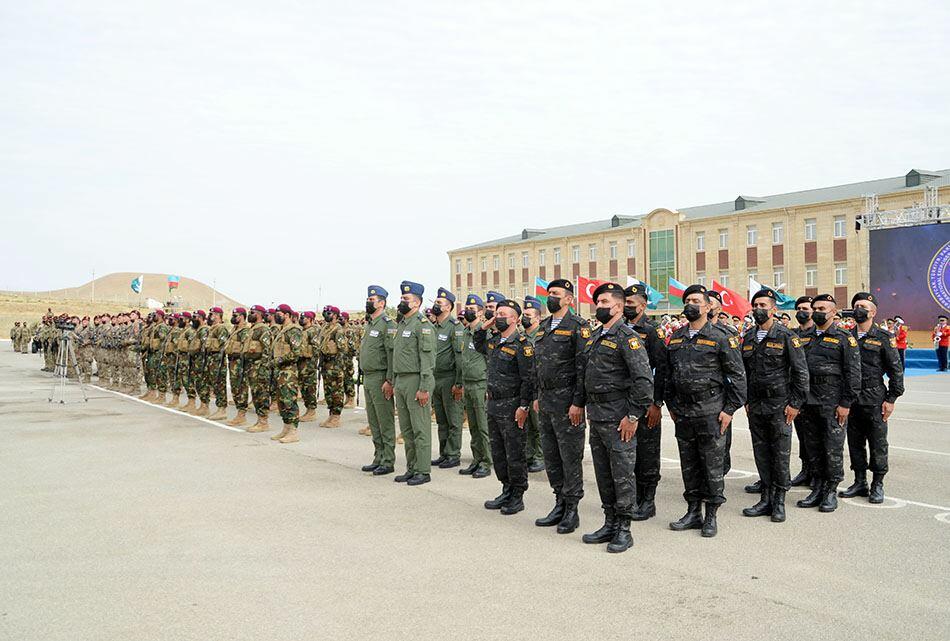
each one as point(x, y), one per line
point(281, 148)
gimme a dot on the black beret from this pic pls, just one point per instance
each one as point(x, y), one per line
point(513, 304)
point(803, 299)
point(694, 289)
point(863, 296)
point(563, 283)
point(824, 297)
point(764, 293)
point(637, 289)
point(612, 288)
point(712, 293)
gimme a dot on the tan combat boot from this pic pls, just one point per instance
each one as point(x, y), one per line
point(350, 403)
point(172, 401)
point(158, 398)
point(273, 406)
point(282, 434)
point(238, 420)
point(191, 404)
point(309, 416)
point(202, 410)
point(220, 414)
point(261, 425)
point(365, 431)
point(147, 396)
point(291, 435)
point(400, 439)
point(332, 421)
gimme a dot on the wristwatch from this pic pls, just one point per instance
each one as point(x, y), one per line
point(523, 407)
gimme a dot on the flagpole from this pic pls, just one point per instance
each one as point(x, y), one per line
point(93, 285)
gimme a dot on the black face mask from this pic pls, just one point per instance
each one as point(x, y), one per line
point(370, 307)
point(279, 318)
point(760, 316)
point(860, 314)
point(802, 317)
point(554, 304)
point(436, 310)
point(630, 312)
point(501, 324)
point(525, 322)
point(603, 315)
point(470, 315)
point(194, 323)
point(403, 307)
point(489, 314)
point(327, 316)
point(820, 318)
point(234, 320)
point(691, 312)
point(711, 316)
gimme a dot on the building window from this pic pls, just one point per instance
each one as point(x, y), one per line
point(841, 273)
point(484, 264)
point(576, 254)
point(724, 279)
point(557, 255)
point(631, 249)
point(754, 275)
point(811, 229)
point(458, 265)
point(511, 261)
point(524, 259)
point(701, 278)
point(540, 258)
point(496, 262)
point(524, 291)
point(511, 293)
point(839, 227)
point(751, 236)
point(592, 252)
point(700, 241)
point(468, 265)
point(778, 233)
point(811, 276)
point(778, 277)
point(613, 250)
point(723, 239)
point(662, 259)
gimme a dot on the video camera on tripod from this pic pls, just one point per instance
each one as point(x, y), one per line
point(65, 325)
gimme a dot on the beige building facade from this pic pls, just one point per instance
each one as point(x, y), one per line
point(804, 242)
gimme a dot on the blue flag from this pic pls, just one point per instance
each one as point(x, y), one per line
point(137, 284)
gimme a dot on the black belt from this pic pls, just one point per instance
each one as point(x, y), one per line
point(607, 396)
point(774, 390)
point(554, 385)
point(829, 378)
point(500, 396)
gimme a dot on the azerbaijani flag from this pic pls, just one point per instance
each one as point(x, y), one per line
point(676, 289)
point(173, 282)
point(137, 284)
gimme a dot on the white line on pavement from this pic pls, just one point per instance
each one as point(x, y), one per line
point(911, 449)
point(168, 409)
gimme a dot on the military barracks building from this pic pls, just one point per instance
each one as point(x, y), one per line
point(806, 240)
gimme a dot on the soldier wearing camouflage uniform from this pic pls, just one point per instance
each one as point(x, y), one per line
point(332, 349)
point(236, 373)
point(145, 346)
point(15, 336)
point(217, 367)
point(170, 355)
point(185, 341)
point(287, 352)
point(85, 336)
point(47, 337)
point(257, 366)
point(348, 352)
point(156, 354)
point(274, 329)
point(199, 363)
point(307, 365)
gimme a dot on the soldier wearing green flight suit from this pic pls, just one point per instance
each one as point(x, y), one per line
point(376, 362)
point(286, 350)
point(446, 398)
point(257, 366)
point(530, 320)
point(236, 366)
point(308, 364)
point(199, 361)
point(413, 364)
point(217, 365)
point(473, 369)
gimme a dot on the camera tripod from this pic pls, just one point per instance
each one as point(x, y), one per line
point(64, 358)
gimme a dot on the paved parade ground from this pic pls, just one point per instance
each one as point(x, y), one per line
point(123, 520)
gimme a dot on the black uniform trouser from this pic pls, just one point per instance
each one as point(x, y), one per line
point(727, 455)
point(507, 447)
point(702, 452)
point(614, 465)
point(772, 447)
point(802, 443)
point(648, 453)
point(562, 444)
point(866, 425)
point(824, 440)
point(942, 358)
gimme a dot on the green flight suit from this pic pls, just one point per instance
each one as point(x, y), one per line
point(533, 451)
point(473, 373)
point(376, 362)
point(448, 411)
point(413, 364)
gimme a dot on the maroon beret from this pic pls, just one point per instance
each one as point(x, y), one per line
point(158, 312)
point(271, 310)
point(345, 315)
point(259, 308)
point(186, 314)
point(216, 310)
point(239, 310)
point(308, 314)
point(332, 309)
point(283, 307)
point(201, 313)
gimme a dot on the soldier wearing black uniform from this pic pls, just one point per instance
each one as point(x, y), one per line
point(618, 388)
point(867, 423)
point(559, 343)
point(510, 361)
point(648, 435)
point(834, 367)
point(718, 318)
point(705, 385)
point(805, 324)
point(777, 380)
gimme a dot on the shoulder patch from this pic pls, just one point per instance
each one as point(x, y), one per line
point(585, 332)
point(893, 342)
point(733, 342)
point(427, 330)
point(633, 343)
point(522, 338)
point(528, 350)
point(747, 348)
point(852, 342)
point(660, 333)
point(796, 342)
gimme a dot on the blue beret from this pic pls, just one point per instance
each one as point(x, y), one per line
point(474, 299)
point(530, 302)
point(409, 287)
point(376, 290)
point(495, 297)
point(446, 294)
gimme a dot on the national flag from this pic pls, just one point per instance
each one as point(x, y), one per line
point(781, 300)
point(137, 284)
point(151, 303)
point(173, 282)
point(676, 289)
point(733, 303)
point(653, 296)
point(585, 289)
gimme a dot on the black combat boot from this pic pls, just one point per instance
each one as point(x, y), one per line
point(646, 507)
point(465, 471)
point(710, 527)
point(802, 479)
point(876, 495)
point(692, 520)
point(622, 540)
point(762, 508)
point(606, 532)
point(501, 499)
point(640, 491)
point(778, 506)
point(403, 478)
point(514, 504)
point(814, 498)
point(554, 516)
point(829, 502)
point(858, 488)
point(438, 461)
point(571, 520)
point(449, 463)
point(754, 488)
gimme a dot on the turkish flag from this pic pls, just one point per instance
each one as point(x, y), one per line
point(585, 289)
point(732, 303)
